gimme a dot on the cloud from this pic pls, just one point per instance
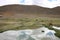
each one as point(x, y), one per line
point(6, 2)
point(43, 3)
point(47, 3)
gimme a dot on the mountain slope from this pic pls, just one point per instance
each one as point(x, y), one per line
point(28, 11)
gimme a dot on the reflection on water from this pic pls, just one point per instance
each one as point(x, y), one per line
point(34, 34)
point(49, 33)
point(24, 36)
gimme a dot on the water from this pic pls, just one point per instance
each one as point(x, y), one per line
point(29, 34)
point(58, 28)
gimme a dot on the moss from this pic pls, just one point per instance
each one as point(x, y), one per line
point(57, 33)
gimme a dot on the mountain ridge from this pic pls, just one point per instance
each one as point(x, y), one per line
point(33, 10)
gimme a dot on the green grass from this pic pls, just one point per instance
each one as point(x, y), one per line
point(49, 26)
point(29, 23)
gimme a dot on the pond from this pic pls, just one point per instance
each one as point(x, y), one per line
point(41, 33)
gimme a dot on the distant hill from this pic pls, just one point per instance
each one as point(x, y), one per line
point(17, 11)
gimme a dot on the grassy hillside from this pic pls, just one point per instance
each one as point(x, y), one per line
point(24, 23)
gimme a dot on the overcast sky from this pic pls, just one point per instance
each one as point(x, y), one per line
point(43, 3)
